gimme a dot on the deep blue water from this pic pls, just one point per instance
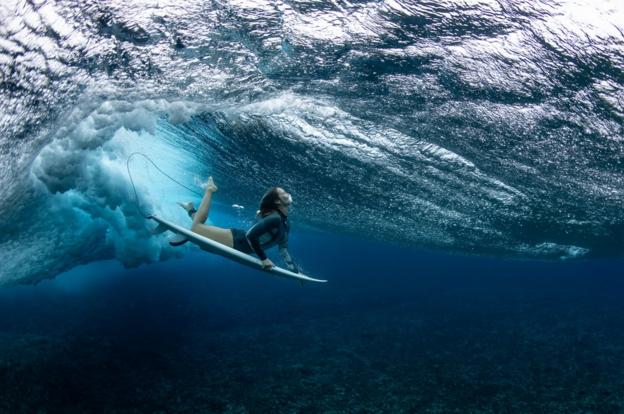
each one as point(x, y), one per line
point(394, 330)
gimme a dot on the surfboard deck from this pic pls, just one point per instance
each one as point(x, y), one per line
point(217, 248)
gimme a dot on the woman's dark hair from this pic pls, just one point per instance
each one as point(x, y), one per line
point(268, 202)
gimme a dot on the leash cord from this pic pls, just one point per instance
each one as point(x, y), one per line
point(136, 195)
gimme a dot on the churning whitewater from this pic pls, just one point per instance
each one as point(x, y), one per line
point(482, 127)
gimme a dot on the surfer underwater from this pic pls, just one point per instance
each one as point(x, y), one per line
point(271, 229)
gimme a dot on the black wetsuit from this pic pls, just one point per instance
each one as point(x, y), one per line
point(267, 232)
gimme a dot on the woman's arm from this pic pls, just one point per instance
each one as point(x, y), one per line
point(253, 235)
point(292, 266)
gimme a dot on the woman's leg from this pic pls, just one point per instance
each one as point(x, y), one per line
point(218, 234)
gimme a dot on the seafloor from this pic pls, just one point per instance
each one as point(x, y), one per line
point(540, 339)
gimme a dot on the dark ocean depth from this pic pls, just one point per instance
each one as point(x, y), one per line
point(395, 330)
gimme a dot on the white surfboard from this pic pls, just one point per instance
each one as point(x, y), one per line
point(217, 248)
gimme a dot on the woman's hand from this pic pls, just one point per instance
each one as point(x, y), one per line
point(267, 264)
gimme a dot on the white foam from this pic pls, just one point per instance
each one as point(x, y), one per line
point(82, 206)
point(562, 251)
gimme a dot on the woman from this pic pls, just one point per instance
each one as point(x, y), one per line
point(272, 227)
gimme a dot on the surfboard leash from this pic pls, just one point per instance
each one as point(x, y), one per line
point(136, 195)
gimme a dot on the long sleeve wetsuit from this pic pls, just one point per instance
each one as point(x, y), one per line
point(269, 231)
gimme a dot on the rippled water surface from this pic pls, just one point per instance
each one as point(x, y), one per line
point(482, 127)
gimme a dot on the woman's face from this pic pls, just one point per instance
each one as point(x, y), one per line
point(285, 198)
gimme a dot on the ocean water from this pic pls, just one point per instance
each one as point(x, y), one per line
point(394, 330)
point(457, 170)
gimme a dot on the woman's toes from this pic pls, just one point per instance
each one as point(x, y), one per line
point(210, 185)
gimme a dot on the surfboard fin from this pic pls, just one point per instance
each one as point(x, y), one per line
point(158, 229)
point(178, 240)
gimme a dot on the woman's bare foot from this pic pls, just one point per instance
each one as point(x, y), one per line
point(187, 206)
point(210, 185)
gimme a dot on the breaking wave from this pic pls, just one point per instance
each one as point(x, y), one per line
point(477, 127)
